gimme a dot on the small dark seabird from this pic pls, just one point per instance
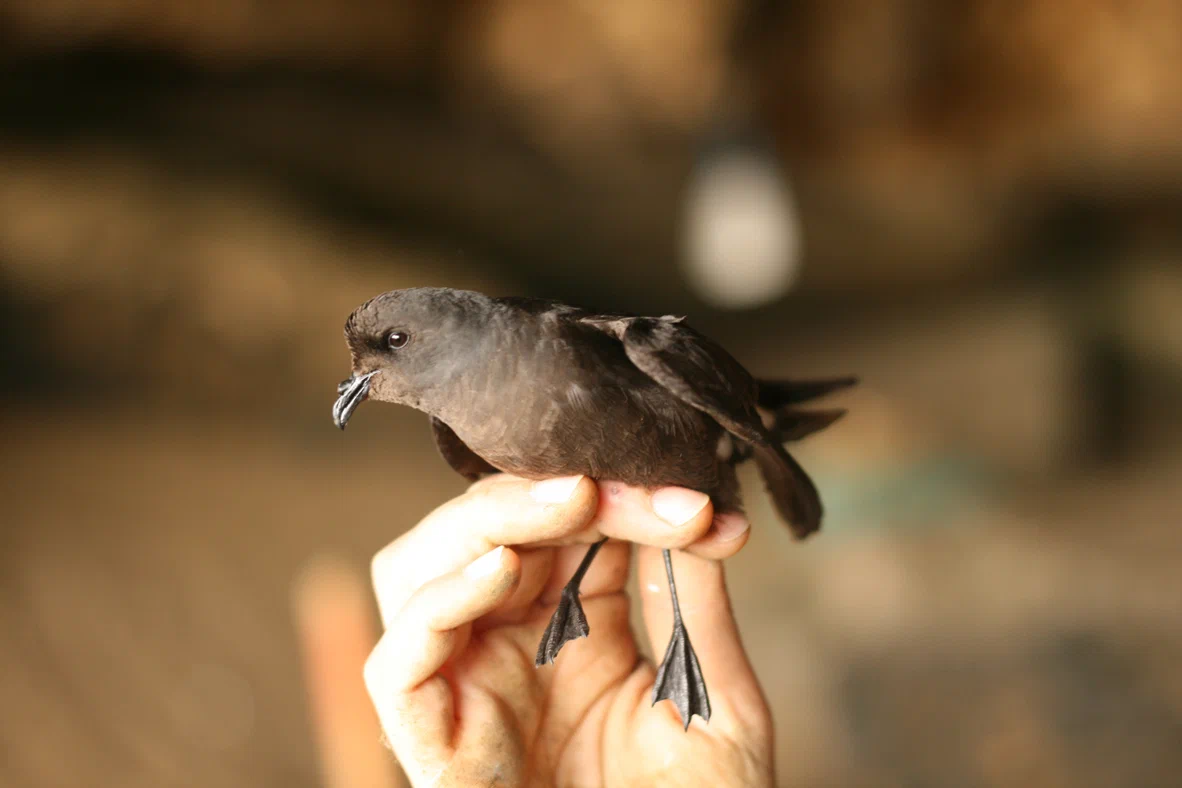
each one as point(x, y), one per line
point(541, 389)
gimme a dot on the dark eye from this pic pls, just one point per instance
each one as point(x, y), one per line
point(397, 339)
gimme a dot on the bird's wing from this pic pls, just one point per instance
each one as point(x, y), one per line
point(697, 370)
point(463, 460)
point(703, 375)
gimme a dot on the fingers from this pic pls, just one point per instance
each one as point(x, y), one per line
point(536, 570)
point(608, 573)
point(727, 535)
point(735, 696)
point(671, 517)
point(499, 510)
point(424, 629)
point(544, 573)
point(415, 704)
point(507, 510)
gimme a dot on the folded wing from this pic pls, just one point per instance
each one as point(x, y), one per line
point(463, 460)
point(702, 374)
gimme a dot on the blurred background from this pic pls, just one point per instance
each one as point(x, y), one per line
point(974, 206)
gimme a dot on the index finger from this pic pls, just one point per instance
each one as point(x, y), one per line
point(499, 510)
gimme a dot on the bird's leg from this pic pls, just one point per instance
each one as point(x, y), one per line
point(679, 678)
point(568, 622)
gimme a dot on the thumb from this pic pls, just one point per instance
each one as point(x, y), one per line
point(735, 697)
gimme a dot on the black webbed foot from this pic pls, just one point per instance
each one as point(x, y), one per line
point(568, 623)
point(679, 679)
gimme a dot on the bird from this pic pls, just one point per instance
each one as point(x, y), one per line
point(538, 388)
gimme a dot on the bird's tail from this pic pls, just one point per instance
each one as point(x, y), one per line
point(776, 394)
point(777, 399)
point(791, 489)
point(791, 425)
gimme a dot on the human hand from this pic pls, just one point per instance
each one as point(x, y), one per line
point(453, 677)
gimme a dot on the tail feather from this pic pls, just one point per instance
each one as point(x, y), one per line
point(775, 394)
point(792, 491)
point(793, 425)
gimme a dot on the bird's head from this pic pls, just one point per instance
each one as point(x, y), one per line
point(407, 345)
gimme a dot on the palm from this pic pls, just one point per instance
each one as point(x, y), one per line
point(599, 690)
point(454, 678)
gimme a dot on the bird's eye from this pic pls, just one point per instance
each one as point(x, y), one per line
point(397, 339)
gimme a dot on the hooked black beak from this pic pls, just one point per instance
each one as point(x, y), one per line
point(352, 391)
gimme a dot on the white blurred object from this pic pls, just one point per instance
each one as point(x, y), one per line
point(742, 238)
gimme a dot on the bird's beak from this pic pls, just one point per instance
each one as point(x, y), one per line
point(352, 391)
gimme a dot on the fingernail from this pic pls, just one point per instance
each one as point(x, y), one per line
point(730, 526)
point(486, 564)
point(555, 490)
point(677, 505)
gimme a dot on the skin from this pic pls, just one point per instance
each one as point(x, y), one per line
point(453, 677)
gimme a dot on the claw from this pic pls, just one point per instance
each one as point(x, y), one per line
point(568, 623)
point(679, 679)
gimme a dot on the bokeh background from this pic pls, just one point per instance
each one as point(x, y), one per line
point(975, 206)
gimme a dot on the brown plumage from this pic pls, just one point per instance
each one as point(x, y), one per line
point(541, 389)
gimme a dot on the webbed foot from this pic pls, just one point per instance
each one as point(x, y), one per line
point(568, 623)
point(679, 678)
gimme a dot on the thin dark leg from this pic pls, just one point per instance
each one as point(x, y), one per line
point(679, 678)
point(568, 622)
point(668, 556)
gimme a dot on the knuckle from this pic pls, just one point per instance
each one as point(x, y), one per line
point(476, 502)
point(578, 512)
point(692, 531)
point(485, 482)
point(381, 565)
point(682, 540)
point(374, 670)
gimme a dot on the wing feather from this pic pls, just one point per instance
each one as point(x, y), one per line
point(702, 374)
